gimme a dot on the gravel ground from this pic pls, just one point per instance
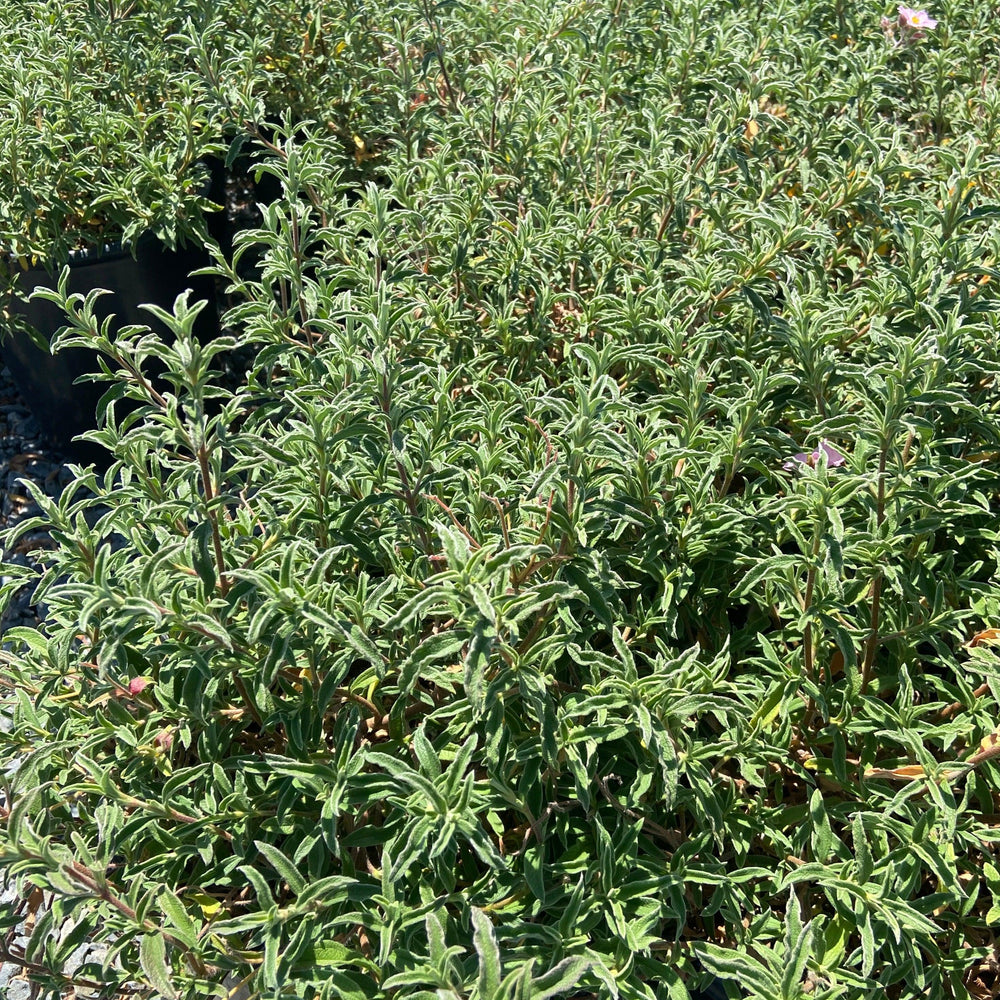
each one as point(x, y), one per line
point(24, 454)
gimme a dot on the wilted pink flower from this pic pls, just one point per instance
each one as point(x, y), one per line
point(137, 685)
point(918, 20)
point(164, 739)
point(833, 458)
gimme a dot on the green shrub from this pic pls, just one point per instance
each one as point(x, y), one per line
point(576, 596)
point(114, 109)
point(101, 138)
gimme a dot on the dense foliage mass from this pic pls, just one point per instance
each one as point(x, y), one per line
point(113, 109)
point(588, 591)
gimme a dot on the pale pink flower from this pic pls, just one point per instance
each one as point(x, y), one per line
point(909, 27)
point(137, 685)
point(915, 20)
point(833, 458)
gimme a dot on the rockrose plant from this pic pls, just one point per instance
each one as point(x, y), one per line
point(587, 589)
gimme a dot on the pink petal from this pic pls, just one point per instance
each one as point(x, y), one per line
point(796, 460)
point(137, 685)
point(834, 459)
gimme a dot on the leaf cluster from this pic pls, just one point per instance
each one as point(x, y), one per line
point(488, 639)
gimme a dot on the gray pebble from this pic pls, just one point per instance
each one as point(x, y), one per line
point(23, 455)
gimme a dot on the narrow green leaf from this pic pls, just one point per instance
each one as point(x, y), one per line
point(477, 661)
point(180, 921)
point(868, 948)
point(485, 942)
point(153, 959)
point(862, 852)
point(534, 871)
point(738, 967)
point(798, 947)
point(561, 978)
point(822, 833)
point(283, 865)
point(430, 765)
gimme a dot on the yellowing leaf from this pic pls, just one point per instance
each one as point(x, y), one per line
point(987, 637)
point(989, 747)
point(361, 151)
point(908, 772)
point(209, 905)
point(836, 663)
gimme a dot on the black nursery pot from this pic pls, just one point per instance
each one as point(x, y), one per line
point(156, 275)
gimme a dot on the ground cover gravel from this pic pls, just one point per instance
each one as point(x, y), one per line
point(24, 455)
